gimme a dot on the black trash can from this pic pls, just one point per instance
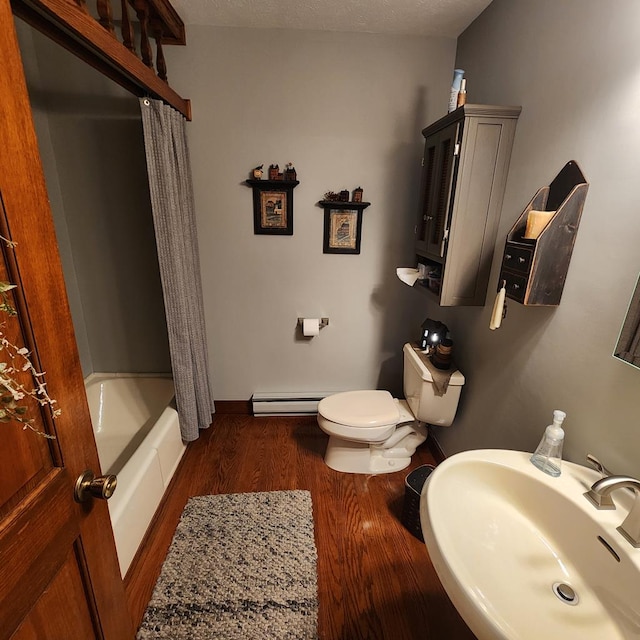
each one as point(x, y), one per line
point(413, 484)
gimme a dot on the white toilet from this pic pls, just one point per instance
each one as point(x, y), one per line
point(371, 432)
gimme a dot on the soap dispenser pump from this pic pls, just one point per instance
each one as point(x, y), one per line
point(548, 455)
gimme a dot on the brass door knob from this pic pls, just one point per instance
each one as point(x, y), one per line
point(88, 486)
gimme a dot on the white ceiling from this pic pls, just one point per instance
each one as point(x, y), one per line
point(447, 18)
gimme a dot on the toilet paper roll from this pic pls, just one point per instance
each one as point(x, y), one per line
point(310, 327)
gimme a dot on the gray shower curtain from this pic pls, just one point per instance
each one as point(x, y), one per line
point(175, 228)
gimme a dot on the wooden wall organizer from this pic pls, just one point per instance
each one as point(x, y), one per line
point(534, 271)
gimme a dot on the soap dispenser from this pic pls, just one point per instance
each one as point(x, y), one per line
point(548, 455)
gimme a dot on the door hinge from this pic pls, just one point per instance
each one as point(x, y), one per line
point(422, 161)
point(456, 149)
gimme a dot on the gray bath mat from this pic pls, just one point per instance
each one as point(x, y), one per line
point(240, 565)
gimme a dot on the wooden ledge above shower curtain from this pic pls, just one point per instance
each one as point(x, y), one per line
point(126, 57)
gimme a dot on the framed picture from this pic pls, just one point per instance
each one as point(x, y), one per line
point(273, 206)
point(342, 226)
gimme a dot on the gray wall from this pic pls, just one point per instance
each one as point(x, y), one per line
point(347, 110)
point(90, 138)
point(573, 66)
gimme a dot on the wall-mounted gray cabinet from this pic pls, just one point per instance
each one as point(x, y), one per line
point(465, 166)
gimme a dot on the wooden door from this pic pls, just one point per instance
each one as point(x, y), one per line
point(59, 577)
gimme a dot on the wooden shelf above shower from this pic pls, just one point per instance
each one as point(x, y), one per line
point(115, 53)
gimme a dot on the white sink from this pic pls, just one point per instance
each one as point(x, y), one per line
point(501, 534)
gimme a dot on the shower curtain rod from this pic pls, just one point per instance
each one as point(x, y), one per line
point(68, 23)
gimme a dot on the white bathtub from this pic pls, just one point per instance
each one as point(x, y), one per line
point(138, 437)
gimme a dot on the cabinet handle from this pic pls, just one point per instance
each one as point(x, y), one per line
point(521, 260)
point(515, 287)
point(507, 256)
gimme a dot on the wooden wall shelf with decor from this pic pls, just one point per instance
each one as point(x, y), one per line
point(465, 166)
point(272, 206)
point(341, 204)
point(534, 270)
point(342, 225)
point(272, 183)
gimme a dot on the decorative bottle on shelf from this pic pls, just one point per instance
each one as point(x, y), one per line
point(455, 88)
point(548, 455)
point(462, 94)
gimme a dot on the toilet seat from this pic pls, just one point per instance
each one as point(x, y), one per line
point(360, 408)
point(360, 416)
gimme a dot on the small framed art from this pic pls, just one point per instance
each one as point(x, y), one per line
point(342, 226)
point(273, 206)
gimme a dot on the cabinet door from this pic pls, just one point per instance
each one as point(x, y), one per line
point(440, 154)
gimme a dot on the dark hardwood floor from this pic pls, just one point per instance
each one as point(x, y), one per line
point(375, 579)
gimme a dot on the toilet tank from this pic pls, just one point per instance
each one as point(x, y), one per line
point(419, 391)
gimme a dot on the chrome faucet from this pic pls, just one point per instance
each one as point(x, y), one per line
point(598, 466)
point(600, 496)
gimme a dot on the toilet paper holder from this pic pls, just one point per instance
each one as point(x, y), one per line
point(323, 322)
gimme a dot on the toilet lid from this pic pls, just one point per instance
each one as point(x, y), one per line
point(360, 408)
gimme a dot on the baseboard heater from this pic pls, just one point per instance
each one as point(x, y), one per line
point(304, 403)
